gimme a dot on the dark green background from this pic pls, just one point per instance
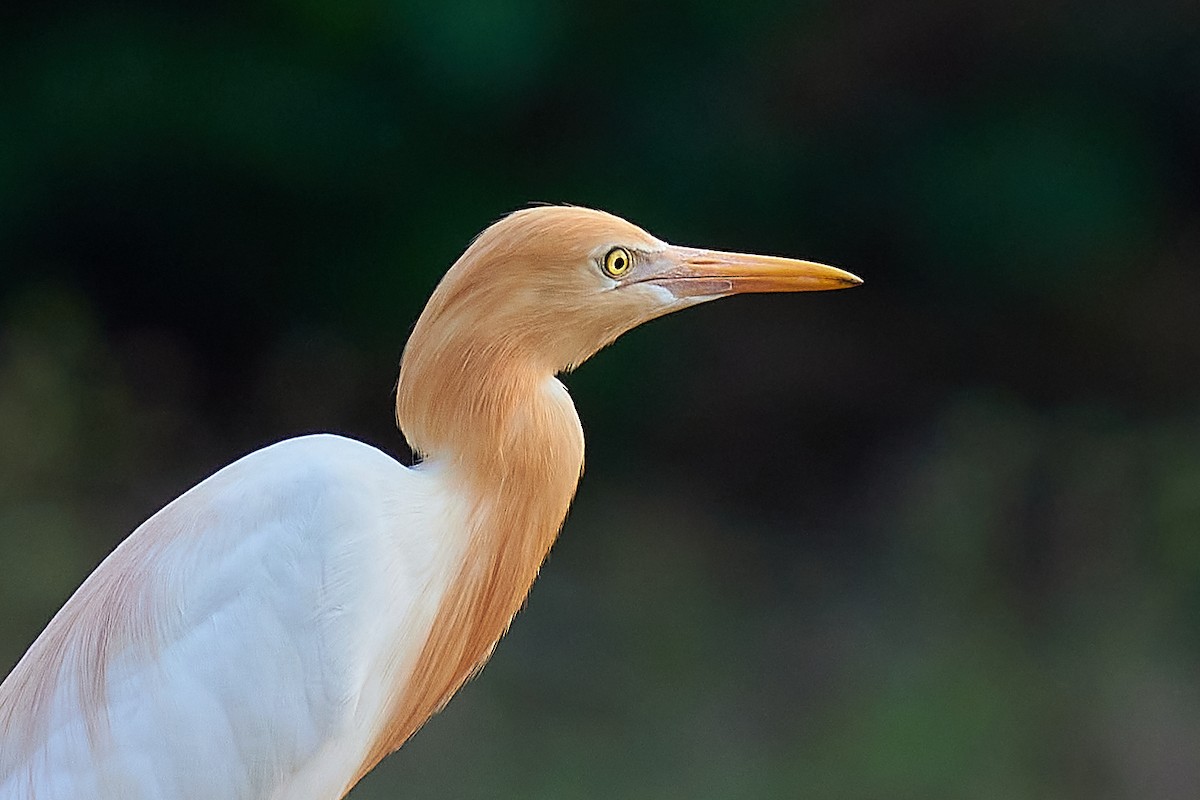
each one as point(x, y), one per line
point(937, 537)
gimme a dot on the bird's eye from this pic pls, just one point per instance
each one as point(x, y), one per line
point(617, 262)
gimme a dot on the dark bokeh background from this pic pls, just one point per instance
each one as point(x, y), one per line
point(936, 537)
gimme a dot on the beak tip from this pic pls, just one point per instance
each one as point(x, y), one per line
point(848, 279)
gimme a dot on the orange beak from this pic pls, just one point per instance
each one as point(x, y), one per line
point(689, 272)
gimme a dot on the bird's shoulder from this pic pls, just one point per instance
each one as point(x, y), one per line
point(316, 464)
point(307, 485)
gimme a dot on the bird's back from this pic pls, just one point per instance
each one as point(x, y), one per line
point(243, 643)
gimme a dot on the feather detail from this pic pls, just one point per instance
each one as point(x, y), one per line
point(115, 610)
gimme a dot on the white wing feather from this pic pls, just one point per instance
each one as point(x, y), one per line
point(242, 642)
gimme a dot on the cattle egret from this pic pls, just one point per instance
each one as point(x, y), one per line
point(285, 624)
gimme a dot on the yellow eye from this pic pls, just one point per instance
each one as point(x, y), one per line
point(617, 262)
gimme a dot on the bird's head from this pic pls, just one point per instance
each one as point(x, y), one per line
point(543, 289)
point(551, 285)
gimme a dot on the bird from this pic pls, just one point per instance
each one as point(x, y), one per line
point(282, 626)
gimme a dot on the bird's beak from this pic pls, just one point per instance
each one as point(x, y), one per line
point(693, 273)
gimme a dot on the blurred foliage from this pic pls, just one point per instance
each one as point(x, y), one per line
point(936, 537)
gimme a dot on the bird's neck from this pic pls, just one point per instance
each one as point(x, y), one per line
point(510, 444)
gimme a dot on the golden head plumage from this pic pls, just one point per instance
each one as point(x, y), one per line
point(541, 290)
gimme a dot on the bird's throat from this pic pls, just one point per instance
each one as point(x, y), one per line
point(518, 479)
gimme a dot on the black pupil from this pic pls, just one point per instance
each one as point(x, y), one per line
point(619, 263)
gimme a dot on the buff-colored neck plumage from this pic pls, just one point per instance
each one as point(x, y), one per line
point(478, 396)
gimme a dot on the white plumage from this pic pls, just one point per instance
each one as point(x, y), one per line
point(277, 588)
